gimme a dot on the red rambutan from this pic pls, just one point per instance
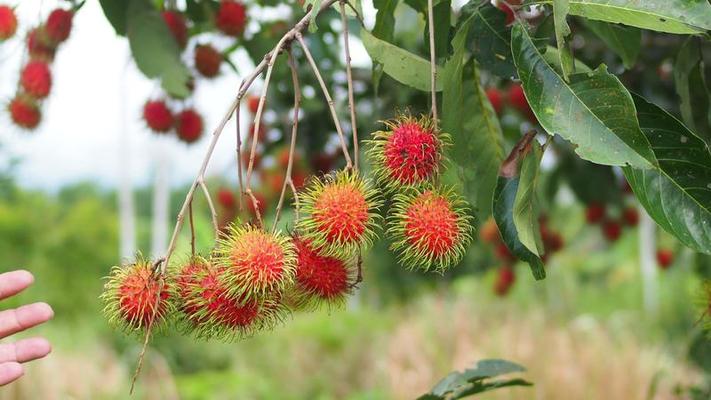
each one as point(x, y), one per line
point(517, 98)
point(494, 95)
point(594, 212)
point(8, 22)
point(320, 279)
point(226, 198)
point(409, 153)
point(430, 228)
point(611, 230)
point(137, 295)
point(189, 125)
point(505, 279)
point(158, 116)
point(256, 263)
point(36, 79)
point(665, 258)
point(59, 25)
point(207, 60)
point(38, 46)
point(253, 104)
point(510, 16)
point(24, 112)
point(231, 18)
point(339, 213)
point(631, 216)
point(177, 26)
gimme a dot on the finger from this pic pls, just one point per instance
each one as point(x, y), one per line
point(9, 372)
point(12, 283)
point(24, 350)
point(25, 317)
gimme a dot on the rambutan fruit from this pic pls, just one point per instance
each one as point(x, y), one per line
point(611, 230)
point(24, 112)
point(8, 22)
point(231, 18)
point(504, 281)
point(36, 79)
point(256, 263)
point(253, 104)
point(339, 213)
point(631, 216)
point(517, 99)
point(38, 45)
point(59, 25)
point(320, 279)
point(177, 26)
point(210, 311)
point(408, 153)
point(189, 125)
point(510, 16)
point(431, 228)
point(665, 258)
point(207, 60)
point(494, 95)
point(136, 296)
point(594, 212)
point(158, 116)
point(226, 198)
point(489, 232)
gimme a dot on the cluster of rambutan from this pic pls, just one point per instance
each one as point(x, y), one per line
point(612, 219)
point(513, 97)
point(253, 278)
point(36, 75)
point(430, 225)
point(489, 233)
point(159, 115)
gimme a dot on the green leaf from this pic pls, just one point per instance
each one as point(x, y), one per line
point(504, 198)
point(309, 5)
point(672, 16)
point(384, 29)
point(489, 39)
point(400, 64)
point(677, 195)
point(552, 57)
point(154, 49)
point(562, 30)
point(687, 62)
point(625, 41)
point(481, 387)
point(594, 111)
point(467, 115)
point(115, 11)
point(457, 384)
point(526, 207)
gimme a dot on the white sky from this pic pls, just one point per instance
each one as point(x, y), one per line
point(96, 99)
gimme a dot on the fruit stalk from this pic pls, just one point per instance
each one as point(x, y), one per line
point(349, 77)
point(433, 63)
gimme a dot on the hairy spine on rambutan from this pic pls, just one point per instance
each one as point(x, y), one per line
point(431, 228)
point(408, 154)
point(209, 311)
point(339, 213)
point(320, 279)
point(137, 295)
point(256, 263)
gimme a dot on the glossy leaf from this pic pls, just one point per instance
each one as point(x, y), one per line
point(504, 198)
point(154, 49)
point(474, 380)
point(552, 57)
point(688, 62)
point(677, 195)
point(115, 12)
point(672, 16)
point(384, 29)
point(489, 39)
point(625, 41)
point(562, 30)
point(400, 64)
point(594, 111)
point(526, 207)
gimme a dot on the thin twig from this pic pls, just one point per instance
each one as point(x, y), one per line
point(329, 100)
point(255, 207)
point(296, 197)
point(433, 63)
point(239, 151)
point(192, 229)
point(294, 130)
point(213, 213)
point(349, 75)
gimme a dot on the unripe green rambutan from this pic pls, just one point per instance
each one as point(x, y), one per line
point(339, 213)
point(256, 264)
point(408, 153)
point(320, 279)
point(210, 312)
point(137, 296)
point(431, 228)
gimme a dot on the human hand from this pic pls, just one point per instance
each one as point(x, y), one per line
point(12, 355)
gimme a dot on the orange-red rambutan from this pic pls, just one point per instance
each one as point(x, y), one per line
point(320, 279)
